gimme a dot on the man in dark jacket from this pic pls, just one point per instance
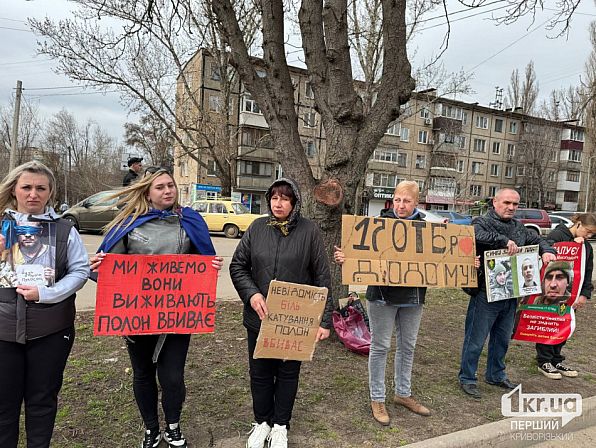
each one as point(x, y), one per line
point(495, 230)
point(134, 168)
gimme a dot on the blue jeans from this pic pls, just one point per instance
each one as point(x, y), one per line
point(383, 319)
point(484, 319)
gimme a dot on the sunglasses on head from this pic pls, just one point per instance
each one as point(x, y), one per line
point(156, 169)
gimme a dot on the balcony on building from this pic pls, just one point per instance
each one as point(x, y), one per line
point(443, 169)
point(254, 175)
point(451, 125)
point(568, 181)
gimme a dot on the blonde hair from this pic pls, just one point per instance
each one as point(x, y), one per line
point(133, 199)
point(408, 187)
point(9, 183)
point(585, 219)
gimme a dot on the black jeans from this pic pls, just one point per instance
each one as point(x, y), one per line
point(170, 372)
point(32, 372)
point(273, 384)
point(549, 353)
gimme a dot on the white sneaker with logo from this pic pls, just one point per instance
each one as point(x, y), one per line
point(278, 437)
point(258, 435)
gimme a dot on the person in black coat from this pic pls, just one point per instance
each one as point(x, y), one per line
point(287, 247)
point(549, 357)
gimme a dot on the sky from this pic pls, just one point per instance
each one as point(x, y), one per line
point(476, 45)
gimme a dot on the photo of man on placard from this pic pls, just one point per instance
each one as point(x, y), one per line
point(501, 286)
point(557, 282)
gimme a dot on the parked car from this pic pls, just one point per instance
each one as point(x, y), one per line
point(454, 217)
point(221, 215)
point(431, 216)
point(556, 220)
point(94, 212)
point(534, 219)
point(563, 213)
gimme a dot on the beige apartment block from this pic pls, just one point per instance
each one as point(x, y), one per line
point(459, 153)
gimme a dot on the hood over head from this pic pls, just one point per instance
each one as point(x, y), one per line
point(295, 213)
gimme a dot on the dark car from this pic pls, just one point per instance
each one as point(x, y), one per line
point(534, 219)
point(455, 217)
point(94, 212)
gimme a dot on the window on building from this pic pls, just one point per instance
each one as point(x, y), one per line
point(447, 138)
point(476, 167)
point(496, 147)
point(215, 73)
point(311, 149)
point(575, 156)
point(521, 171)
point(211, 168)
point(308, 91)
point(549, 196)
point(460, 141)
point(464, 117)
point(481, 122)
point(423, 137)
point(310, 119)
point(184, 168)
point(494, 169)
point(577, 134)
point(404, 134)
point(420, 185)
point(460, 166)
point(553, 155)
point(386, 180)
point(256, 137)
point(479, 145)
point(551, 176)
point(251, 105)
point(420, 161)
point(390, 155)
point(214, 103)
point(475, 190)
point(572, 176)
point(511, 149)
point(498, 125)
point(570, 196)
point(424, 113)
point(447, 110)
point(508, 171)
point(252, 168)
point(393, 128)
point(513, 127)
point(492, 191)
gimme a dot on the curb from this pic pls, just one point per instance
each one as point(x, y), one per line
point(501, 435)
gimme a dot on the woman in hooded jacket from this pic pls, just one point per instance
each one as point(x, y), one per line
point(36, 321)
point(287, 247)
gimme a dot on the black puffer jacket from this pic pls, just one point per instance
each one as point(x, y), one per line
point(492, 232)
point(396, 295)
point(562, 233)
point(265, 254)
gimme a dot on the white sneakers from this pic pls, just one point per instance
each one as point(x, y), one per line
point(258, 434)
point(277, 437)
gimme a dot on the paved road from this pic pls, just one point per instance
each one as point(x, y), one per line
point(223, 246)
point(225, 290)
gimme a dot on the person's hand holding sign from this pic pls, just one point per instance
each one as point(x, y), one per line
point(257, 301)
point(96, 260)
point(339, 256)
point(217, 263)
point(322, 333)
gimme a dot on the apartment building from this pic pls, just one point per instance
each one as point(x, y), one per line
point(459, 153)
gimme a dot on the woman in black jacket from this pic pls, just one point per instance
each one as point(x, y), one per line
point(287, 247)
point(550, 360)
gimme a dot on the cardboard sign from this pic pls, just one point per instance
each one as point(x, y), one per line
point(396, 252)
point(151, 294)
point(511, 276)
point(548, 318)
point(290, 328)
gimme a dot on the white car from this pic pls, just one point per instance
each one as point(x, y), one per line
point(429, 216)
point(556, 220)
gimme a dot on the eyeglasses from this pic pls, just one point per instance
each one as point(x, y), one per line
point(156, 169)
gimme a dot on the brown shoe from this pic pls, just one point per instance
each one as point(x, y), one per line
point(379, 412)
point(412, 405)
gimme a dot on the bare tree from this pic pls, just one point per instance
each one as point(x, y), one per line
point(523, 93)
point(145, 61)
point(588, 107)
point(151, 137)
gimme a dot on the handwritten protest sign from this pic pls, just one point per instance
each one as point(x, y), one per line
point(396, 252)
point(508, 276)
point(150, 294)
point(548, 318)
point(290, 328)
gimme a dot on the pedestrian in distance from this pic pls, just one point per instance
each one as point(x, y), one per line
point(36, 322)
point(135, 165)
point(151, 222)
point(287, 247)
point(498, 229)
point(549, 357)
point(394, 309)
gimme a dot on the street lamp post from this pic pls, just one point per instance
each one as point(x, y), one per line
point(588, 183)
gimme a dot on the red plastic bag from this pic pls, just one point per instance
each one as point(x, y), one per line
point(352, 331)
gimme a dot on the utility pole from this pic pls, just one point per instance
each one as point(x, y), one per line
point(15, 126)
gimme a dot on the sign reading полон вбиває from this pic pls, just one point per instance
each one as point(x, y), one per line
point(397, 252)
point(152, 294)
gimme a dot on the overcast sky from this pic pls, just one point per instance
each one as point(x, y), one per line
point(476, 45)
